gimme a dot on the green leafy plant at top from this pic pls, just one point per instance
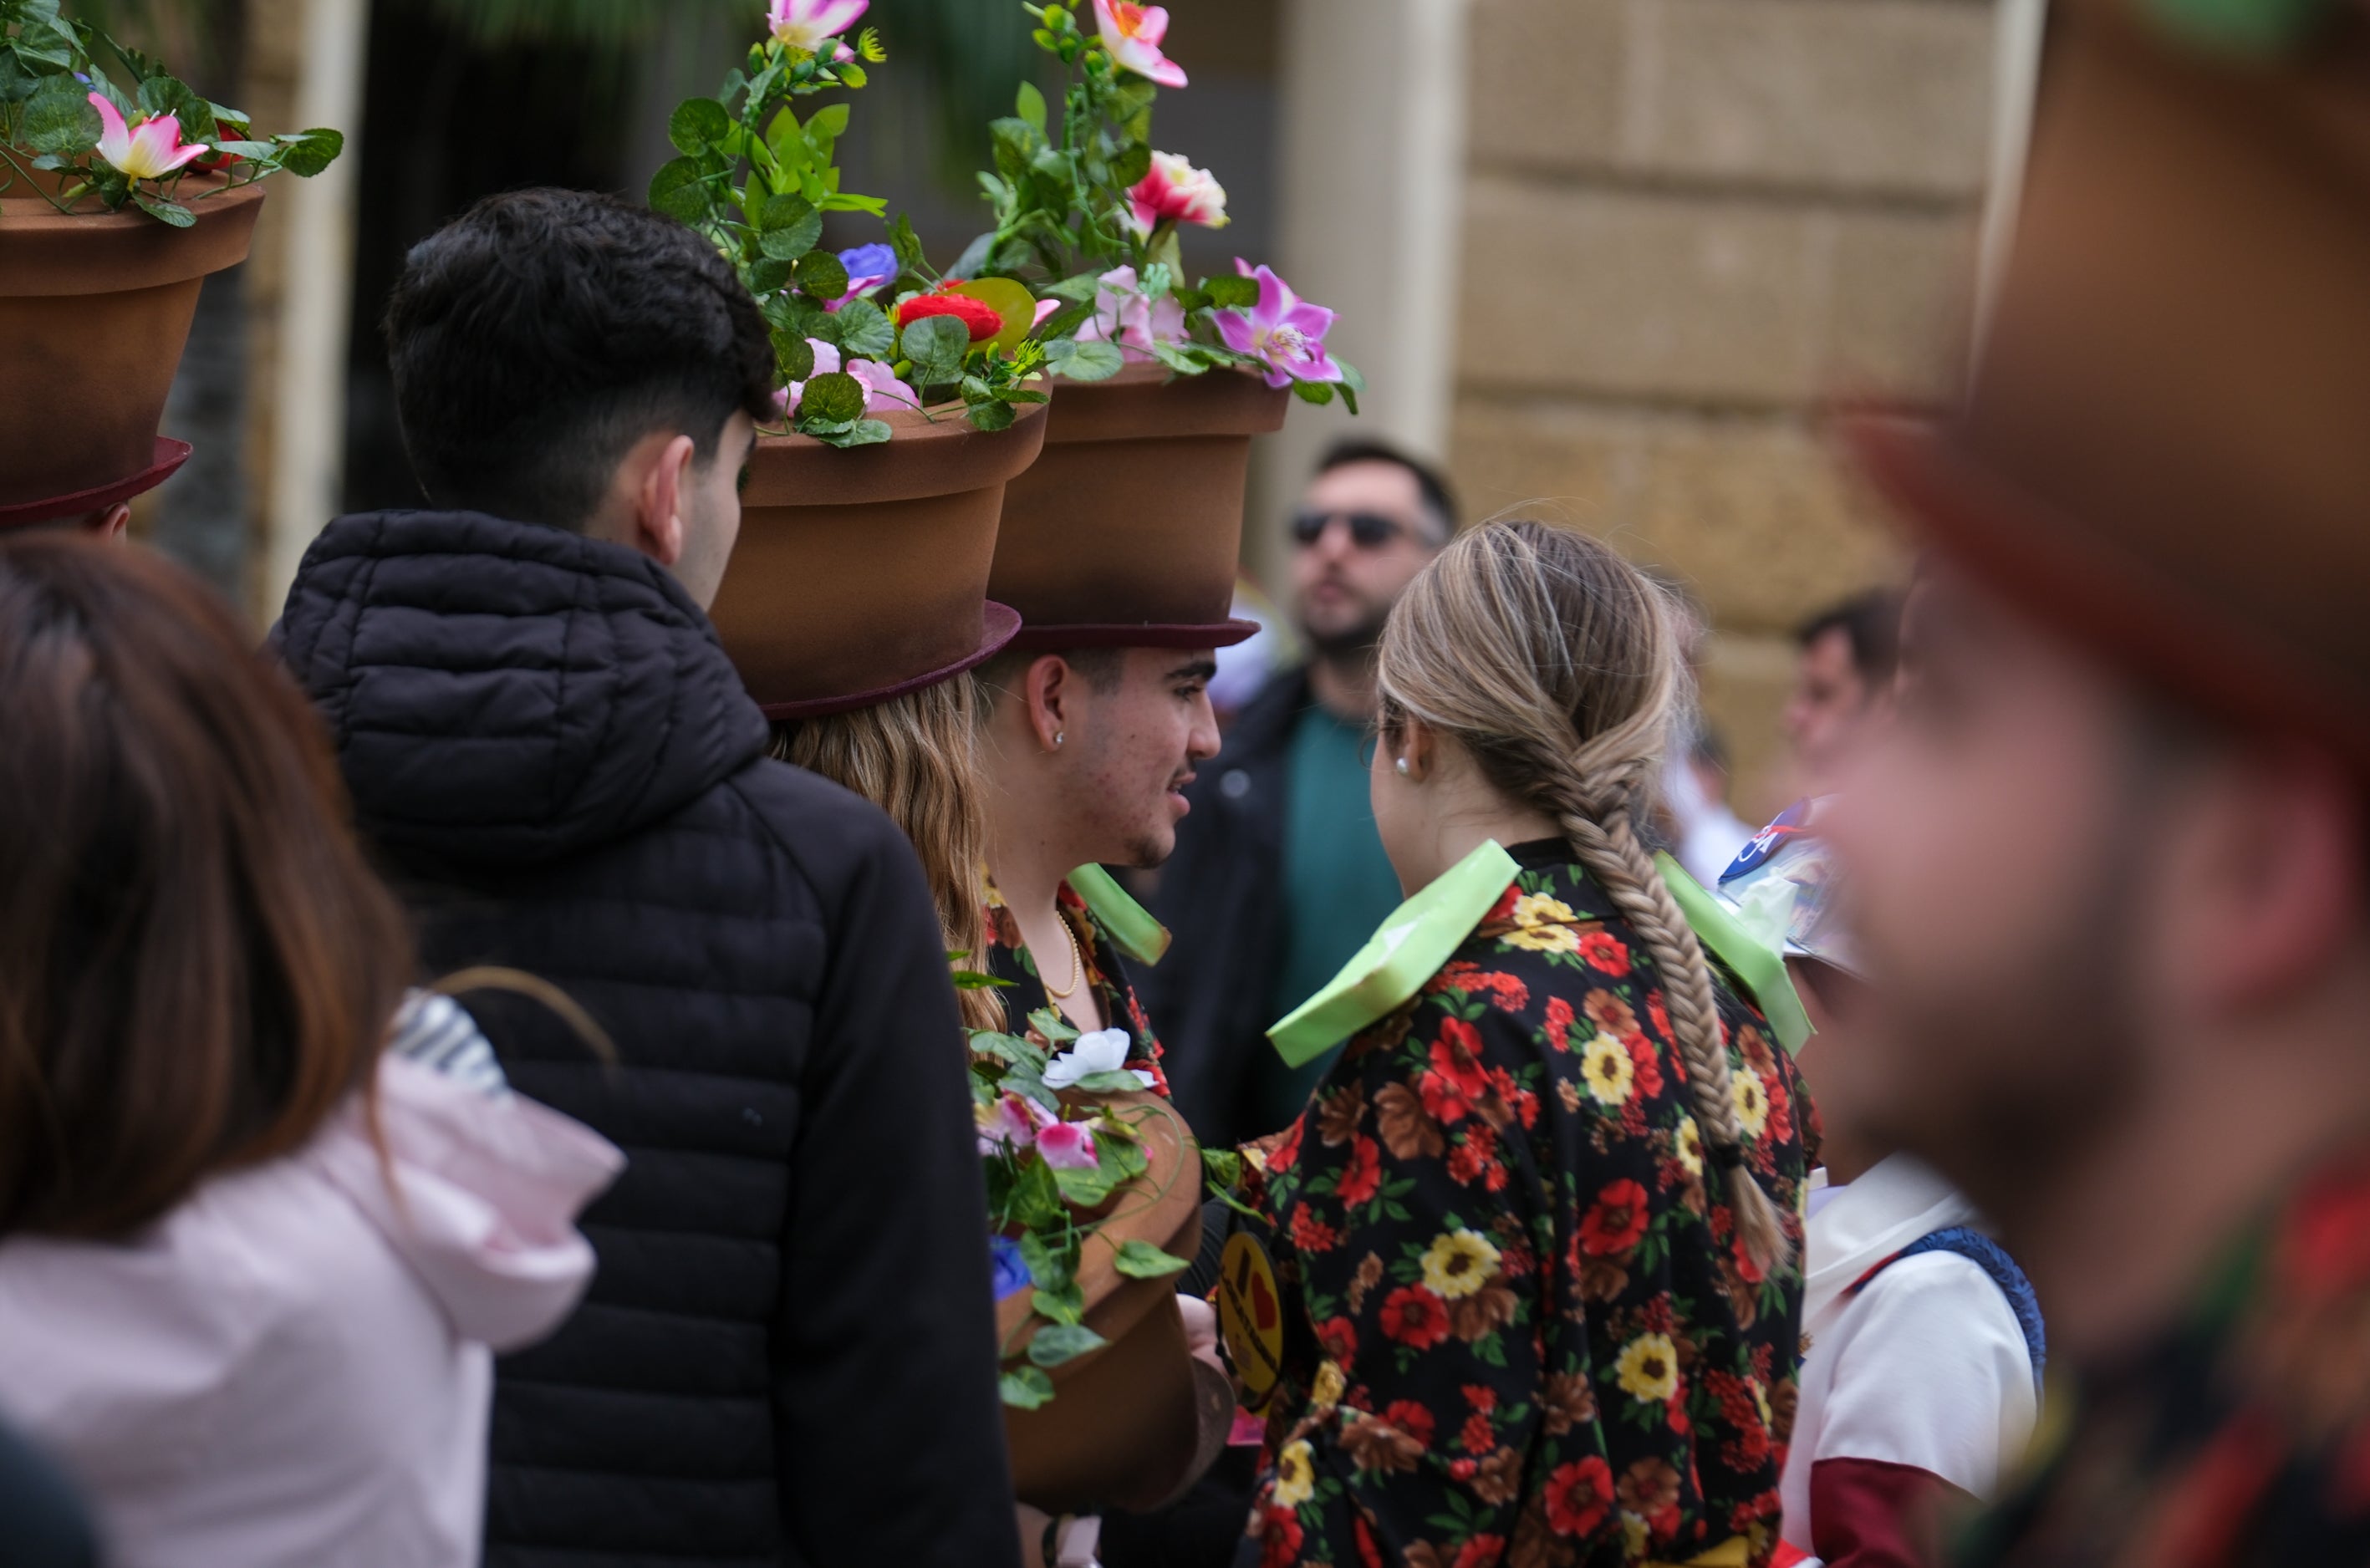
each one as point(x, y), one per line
point(73, 134)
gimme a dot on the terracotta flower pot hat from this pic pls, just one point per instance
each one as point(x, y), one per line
point(1127, 532)
point(95, 309)
point(862, 575)
point(2165, 454)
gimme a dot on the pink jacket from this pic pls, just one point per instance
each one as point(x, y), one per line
point(291, 1367)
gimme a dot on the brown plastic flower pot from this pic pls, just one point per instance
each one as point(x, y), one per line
point(93, 311)
point(1124, 1428)
point(1128, 530)
point(862, 573)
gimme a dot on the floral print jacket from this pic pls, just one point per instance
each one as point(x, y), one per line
point(1519, 1328)
point(1008, 959)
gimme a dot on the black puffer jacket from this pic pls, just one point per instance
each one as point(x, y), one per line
point(788, 1354)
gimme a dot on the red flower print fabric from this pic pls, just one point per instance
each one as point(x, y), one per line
point(1521, 1333)
point(1009, 960)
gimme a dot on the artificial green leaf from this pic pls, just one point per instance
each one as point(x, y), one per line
point(829, 124)
point(937, 344)
point(308, 153)
point(16, 83)
point(1066, 1305)
point(679, 191)
point(1178, 357)
point(1016, 142)
point(250, 149)
point(788, 227)
point(1142, 1260)
point(1030, 105)
point(166, 95)
point(973, 259)
point(1118, 1081)
point(987, 414)
point(697, 123)
point(171, 212)
point(58, 118)
point(820, 273)
point(833, 397)
point(851, 75)
point(1026, 1388)
point(1053, 1026)
point(1058, 1343)
point(864, 332)
point(1132, 100)
point(1085, 1189)
point(1089, 362)
point(1131, 164)
point(1224, 1166)
point(972, 979)
point(1317, 392)
point(1232, 293)
point(767, 275)
point(1080, 290)
point(905, 243)
point(1049, 1267)
point(794, 356)
point(865, 432)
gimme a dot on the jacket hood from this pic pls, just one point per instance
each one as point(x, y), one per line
point(1893, 1203)
point(506, 692)
point(479, 1195)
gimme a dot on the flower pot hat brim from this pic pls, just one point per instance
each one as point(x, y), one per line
point(1127, 531)
point(167, 455)
point(862, 575)
point(2163, 457)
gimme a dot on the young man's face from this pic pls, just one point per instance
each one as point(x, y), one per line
point(711, 509)
point(1136, 746)
point(1994, 838)
point(1373, 534)
point(1828, 710)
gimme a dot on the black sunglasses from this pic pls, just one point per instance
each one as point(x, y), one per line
point(1368, 531)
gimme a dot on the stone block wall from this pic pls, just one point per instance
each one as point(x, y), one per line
point(1688, 225)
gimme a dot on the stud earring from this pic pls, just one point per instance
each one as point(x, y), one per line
point(1059, 736)
point(1401, 765)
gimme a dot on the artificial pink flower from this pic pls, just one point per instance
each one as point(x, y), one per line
point(1176, 191)
point(810, 24)
point(1045, 308)
point(1010, 1123)
point(1124, 314)
point(1067, 1146)
point(1281, 332)
point(1133, 34)
point(152, 152)
point(881, 387)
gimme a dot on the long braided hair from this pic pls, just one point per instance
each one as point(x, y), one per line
point(1561, 669)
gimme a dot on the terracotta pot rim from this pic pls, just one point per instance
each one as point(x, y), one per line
point(1149, 401)
point(934, 454)
point(46, 253)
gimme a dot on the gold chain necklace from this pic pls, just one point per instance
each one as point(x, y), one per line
point(1077, 966)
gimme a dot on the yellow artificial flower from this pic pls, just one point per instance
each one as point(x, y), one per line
point(1327, 1391)
point(1752, 1102)
point(1543, 925)
point(1604, 1064)
point(1295, 1475)
point(1649, 1368)
point(1458, 1263)
point(1688, 1142)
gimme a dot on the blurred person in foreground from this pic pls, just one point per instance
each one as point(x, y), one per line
point(1535, 1234)
point(1843, 684)
point(1922, 1376)
point(250, 1260)
point(2110, 871)
point(547, 743)
point(1277, 874)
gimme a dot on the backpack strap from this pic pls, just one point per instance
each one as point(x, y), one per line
point(1992, 1258)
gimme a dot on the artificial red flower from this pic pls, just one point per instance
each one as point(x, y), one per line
point(1363, 1178)
point(981, 319)
point(1415, 1317)
point(1579, 1495)
point(1617, 1221)
point(1604, 951)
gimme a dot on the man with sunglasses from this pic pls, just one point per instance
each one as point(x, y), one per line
point(1277, 874)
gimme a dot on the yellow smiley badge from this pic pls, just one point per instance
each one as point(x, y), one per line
point(1250, 1314)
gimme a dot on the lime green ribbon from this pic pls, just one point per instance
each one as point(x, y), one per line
point(1128, 923)
point(1761, 967)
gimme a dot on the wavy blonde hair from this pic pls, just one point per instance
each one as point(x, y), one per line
point(1562, 669)
point(916, 756)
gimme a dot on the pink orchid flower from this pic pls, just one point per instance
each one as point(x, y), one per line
point(1010, 1123)
point(1133, 34)
point(1124, 314)
point(881, 387)
point(1281, 332)
point(151, 152)
point(811, 24)
point(1178, 191)
point(1067, 1146)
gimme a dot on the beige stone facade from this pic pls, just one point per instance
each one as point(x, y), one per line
point(1687, 224)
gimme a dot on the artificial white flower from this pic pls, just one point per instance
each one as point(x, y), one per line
point(1105, 1051)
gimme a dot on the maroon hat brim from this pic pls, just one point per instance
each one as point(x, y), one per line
point(2112, 603)
point(1214, 634)
point(166, 456)
point(1000, 624)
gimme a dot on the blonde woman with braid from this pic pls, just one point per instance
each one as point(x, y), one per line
point(1533, 1237)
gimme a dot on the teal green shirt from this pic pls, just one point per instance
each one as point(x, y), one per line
point(1336, 884)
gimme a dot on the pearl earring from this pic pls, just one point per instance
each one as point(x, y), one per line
point(1059, 736)
point(1401, 765)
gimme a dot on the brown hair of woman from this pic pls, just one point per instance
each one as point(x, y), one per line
point(196, 964)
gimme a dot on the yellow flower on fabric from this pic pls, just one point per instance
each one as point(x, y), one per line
point(1649, 1368)
point(1636, 1533)
point(1327, 1391)
point(1543, 925)
point(1752, 1102)
point(1604, 1064)
point(1688, 1142)
point(1459, 1263)
point(1760, 1399)
point(1295, 1475)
